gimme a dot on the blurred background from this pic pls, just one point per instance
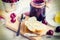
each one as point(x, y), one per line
point(6, 34)
point(25, 3)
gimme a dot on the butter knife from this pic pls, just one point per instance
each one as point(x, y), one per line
point(20, 20)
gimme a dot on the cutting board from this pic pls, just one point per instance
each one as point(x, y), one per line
point(14, 26)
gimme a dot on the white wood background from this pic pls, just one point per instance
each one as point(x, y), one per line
point(24, 6)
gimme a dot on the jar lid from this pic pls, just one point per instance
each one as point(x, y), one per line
point(10, 1)
point(40, 5)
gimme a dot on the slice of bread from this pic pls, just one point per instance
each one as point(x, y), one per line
point(37, 27)
point(29, 24)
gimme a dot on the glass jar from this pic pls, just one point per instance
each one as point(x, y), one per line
point(10, 5)
point(37, 9)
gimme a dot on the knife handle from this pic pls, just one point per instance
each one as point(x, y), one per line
point(18, 31)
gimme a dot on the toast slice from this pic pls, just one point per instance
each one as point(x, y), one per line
point(37, 27)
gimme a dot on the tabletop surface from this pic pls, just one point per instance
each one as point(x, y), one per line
point(6, 34)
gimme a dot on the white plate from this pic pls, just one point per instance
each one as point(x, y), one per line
point(49, 19)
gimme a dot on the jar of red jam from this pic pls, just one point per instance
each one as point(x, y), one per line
point(37, 9)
